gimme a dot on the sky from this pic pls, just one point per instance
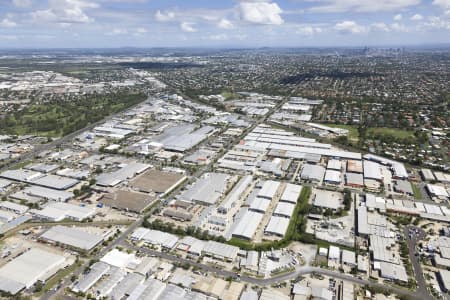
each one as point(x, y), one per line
point(222, 23)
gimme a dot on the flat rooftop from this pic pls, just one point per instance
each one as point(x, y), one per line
point(157, 181)
point(72, 237)
point(126, 200)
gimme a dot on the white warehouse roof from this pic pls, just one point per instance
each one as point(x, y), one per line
point(260, 204)
point(312, 172)
point(35, 264)
point(269, 189)
point(246, 226)
point(72, 237)
point(277, 226)
point(220, 250)
point(291, 193)
point(372, 170)
point(332, 176)
point(284, 209)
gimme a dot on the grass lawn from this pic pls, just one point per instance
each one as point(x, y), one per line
point(352, 130)
point(229, 95)
point(395, 132)
point(417, 192)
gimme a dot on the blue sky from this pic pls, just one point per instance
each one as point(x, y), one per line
point(222, 23)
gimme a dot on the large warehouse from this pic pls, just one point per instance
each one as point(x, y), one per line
point(30, 267)
point(247, 225)
point(72, 237)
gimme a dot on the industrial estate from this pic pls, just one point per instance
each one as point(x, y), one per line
point(140, 189)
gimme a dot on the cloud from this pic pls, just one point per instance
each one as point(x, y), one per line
point(442, 3)
point(260, 12)
point(117, 31)
point(141, 30)
point(22, 3)
point(218, 37)
point(188, 27)
point(333, 6)
point(65, 11)
point(7, 23)
point(164, 17)
point(225, 24)
point(399, 27)
point(436, 23)
point(417, 17)
point(308, 30)
point(398, 17)
point(352, 27)
point(380, 27)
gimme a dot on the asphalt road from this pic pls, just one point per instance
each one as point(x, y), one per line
point(411, 240)
point(299, 271)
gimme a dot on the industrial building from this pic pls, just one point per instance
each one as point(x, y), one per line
point(284, 209)
point(269, 189)
point(14, 207)
point(59, 211)
point(260, 205)
point(155, 237)
point(437, 191)
point(30, 267)
point(277, 226)
point(354, 166)
point(39, 179)
point(355, 180)
point(220, 251)
point(403, 187)
point(245, 227)
point(372, 170)
point(72, 237)
point(391, 271)
point(291, 193)
point(126, 172)
point(334, 164)
point(427, 175)
point(312, 173)
point(327, 199)
point(332, 177)
point(207, 190)
point(398, 169)
point(235, 194)
point(444, 279)
point(47, 194)
point(97, 271)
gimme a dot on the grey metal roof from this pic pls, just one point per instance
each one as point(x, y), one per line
point(72, 237)
point(312, 172)
point(220, 249)
point(246, 225)
point(10, 286)
point(33, 265)
point(206, 190)
point(291, 193)
point(126, 286)
point(277, 225)
point(150, 289)
point(98, 269)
